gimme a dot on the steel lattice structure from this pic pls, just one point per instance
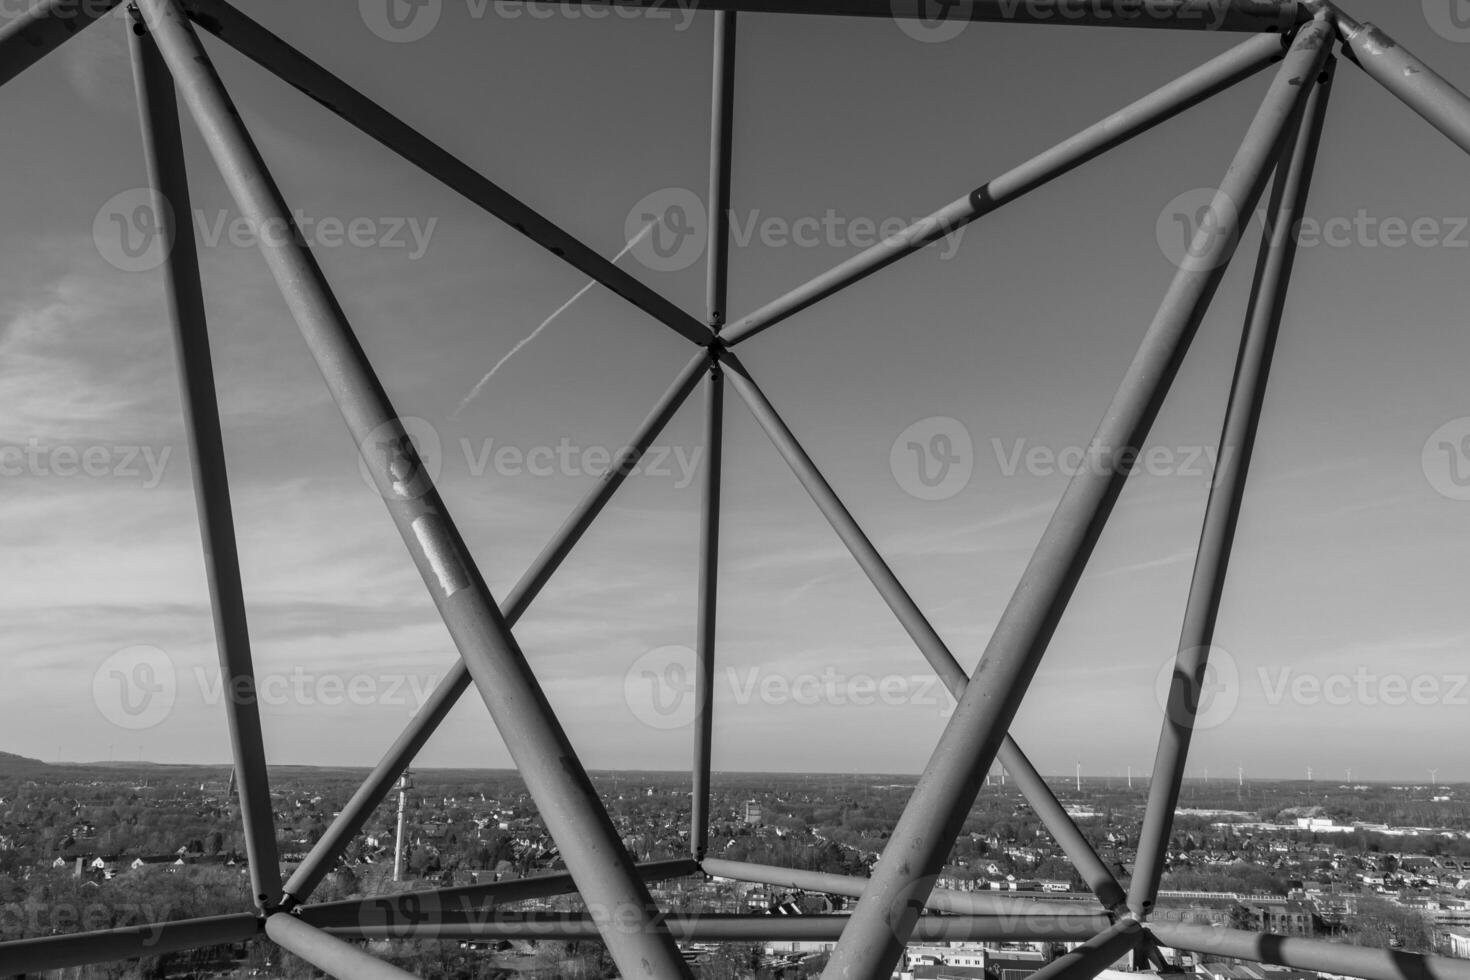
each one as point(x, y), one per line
point(1300, 36)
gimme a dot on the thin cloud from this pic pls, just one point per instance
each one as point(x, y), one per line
point(544, 324)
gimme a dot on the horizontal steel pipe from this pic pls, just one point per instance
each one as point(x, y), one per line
point(1309, 954)
point(79, 949)
point(940, 900)
point(335, 95)
point(744, 928)
point(44, 28)
point(349, 822)
point(431, 905)
point(329, 953)
point(1190, 89)
point(1410, 80)
point(1189, 15)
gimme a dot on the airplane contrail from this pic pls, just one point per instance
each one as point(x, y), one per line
point(546, 323)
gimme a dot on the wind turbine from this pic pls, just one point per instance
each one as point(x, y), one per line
point(1433, 778)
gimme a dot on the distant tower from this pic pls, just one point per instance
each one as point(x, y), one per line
point(1240, 776)
point(1079, 777)
point(1309, 774)
point(1130, 777)
point(405, 783)
point(1433, 778)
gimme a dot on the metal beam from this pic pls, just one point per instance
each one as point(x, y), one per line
point(1411, 81)
point(328, 953)
point(1189, 15)
point(704, 656)
point(26, 956)
point(715, 928)
point(1214, 76)
point(1309, 954)
point(925, 832)
point(1227, 491)
point(1095, 955)
point(349, 822)
point(430, 905)
point(555, 778)
point(939, 900)
point(920, 630)
point(721, 138)
point(163, 150)
point(44, 28)
point(335, 95)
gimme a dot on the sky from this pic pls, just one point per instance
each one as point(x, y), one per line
point(1342, 642)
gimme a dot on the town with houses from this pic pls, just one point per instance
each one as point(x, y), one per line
point(1377, 864)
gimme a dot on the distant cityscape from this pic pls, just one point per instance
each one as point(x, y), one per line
point(102, 846)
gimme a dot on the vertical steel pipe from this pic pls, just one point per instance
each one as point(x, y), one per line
point(920, 630)
point(874, 940)
point(346, 102)
point(721, 138)
point(163, 150)
point(704, 655)
point(48, 25)
point(1227, 491)
point(1190, 89)
point(379, 783)
point(555, 778)
point(1411, 81)
point(335, 957)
